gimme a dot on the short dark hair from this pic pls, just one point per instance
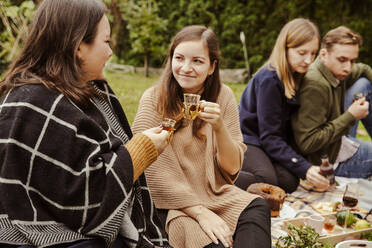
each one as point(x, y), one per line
point(49, 55)
point(341, 35)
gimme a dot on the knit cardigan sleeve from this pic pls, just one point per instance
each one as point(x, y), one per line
point(60, 163)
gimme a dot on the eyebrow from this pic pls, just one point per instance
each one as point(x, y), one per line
point(195, 57)
point(343, 57)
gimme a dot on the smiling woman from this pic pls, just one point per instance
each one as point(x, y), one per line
point(71, 172)
point(192, 181)
point(191, 65)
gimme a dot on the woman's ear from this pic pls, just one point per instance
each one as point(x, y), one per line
point(80, 51)
point(212, 67)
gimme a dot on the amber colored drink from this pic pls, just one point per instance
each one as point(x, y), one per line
point(190, 111)
point(190, 105)
point(326, 170)
point(167, 124)
point(167, 128)
point(349, 201)
point(328, 226)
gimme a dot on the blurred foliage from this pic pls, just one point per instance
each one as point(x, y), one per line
point(146, 29)
point(15, 20)
point(136, 29)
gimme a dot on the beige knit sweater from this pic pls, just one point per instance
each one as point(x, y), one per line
point(187, 173)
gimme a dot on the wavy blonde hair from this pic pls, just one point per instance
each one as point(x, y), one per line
point(295, 33)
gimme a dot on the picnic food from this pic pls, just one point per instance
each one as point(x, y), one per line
point(274, 196)
point(299, 236)
point(345, 216)
point(362, 224)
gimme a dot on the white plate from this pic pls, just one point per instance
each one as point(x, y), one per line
point(354, 243)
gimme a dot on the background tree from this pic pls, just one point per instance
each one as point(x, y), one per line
point(116, 20)
point(146, 28)
point(15, 20)
point(142, 29)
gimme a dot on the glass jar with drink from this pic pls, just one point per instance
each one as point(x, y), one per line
point(349, 200)
point(326, 169)
point(191, 106)
point(168, 125)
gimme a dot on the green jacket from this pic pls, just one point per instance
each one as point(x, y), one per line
point(321, 121)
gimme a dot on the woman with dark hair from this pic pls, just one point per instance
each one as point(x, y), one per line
point(194, 176)
point(265, 108)
point(71, 174)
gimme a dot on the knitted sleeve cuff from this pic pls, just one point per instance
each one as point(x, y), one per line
point(143, 153)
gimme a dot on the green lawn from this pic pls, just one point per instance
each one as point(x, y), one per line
point(129, 88)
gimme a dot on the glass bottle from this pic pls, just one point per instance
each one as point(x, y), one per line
point(326, 169)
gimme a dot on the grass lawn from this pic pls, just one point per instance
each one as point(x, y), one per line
point(129, 88)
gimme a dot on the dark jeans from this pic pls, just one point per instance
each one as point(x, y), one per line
point(362, 85)
point(253, 228)
point(258, 168)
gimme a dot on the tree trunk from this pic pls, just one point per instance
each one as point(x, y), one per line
point(147, 55)
point(117, 23)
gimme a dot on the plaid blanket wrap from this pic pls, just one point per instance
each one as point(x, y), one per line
point(66, 176)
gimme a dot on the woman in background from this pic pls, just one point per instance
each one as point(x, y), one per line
point(71, 175)
point(265, 108)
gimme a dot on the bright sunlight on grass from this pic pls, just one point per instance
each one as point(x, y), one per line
point(129, 89)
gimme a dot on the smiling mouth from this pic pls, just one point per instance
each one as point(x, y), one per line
point(188, 76)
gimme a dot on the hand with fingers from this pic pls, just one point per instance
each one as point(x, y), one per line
point(215, 227)
point(158, 136)
point(210, 112)
point(317, 180)
point(359, 108)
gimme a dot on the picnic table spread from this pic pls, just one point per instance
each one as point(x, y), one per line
point(307, 202)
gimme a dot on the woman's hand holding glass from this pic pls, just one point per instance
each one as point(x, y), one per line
point(158, 136)
point(210, 112)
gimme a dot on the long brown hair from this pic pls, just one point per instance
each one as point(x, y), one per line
point(171, 93)
point(49, 54)
point(295, 33)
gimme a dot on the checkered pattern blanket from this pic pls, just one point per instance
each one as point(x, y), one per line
point(65, 175)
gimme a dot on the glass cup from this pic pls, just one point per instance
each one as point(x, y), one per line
point(190, 106)
point(349, 198)
point(168, 125)
point(329, 224)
